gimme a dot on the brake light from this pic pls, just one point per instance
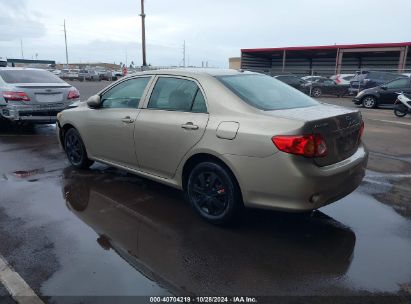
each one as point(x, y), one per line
point(73, 94)
point(15, 96)
point(312, 145)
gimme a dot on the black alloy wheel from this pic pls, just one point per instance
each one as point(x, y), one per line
point(213, 193)
point(75, 150)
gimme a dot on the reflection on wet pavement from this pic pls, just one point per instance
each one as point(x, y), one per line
point(151, 227)
point(106, 232)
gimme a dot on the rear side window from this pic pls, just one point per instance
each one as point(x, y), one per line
point(29, 76)
point(398, 84)
point(127, 94)
point(266, 93)
point(176, 94)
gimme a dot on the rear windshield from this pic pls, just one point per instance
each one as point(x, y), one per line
point(29, 76)
point(265, 92)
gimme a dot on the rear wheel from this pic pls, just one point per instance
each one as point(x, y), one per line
point(369, 102)
point(75, 150)
point(214, 193)
point(400, 110)
point(316, 92)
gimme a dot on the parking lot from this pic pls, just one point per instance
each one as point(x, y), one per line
point(103, 231)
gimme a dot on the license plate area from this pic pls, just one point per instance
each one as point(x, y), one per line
point(54, 97)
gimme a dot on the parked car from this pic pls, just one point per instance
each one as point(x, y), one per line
point(89, 75)
point(227, 138)
point(3, 62)
point(294, 81)
point(64, 73)
point(384, 94)
point(369, 79)
point(107, 75)
point(325, 86)
point(72, 74)
point(342, 79)
point(313, 78)
point(56, 72)
point(33, 95)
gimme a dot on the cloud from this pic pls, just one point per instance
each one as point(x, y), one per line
point(17, 22)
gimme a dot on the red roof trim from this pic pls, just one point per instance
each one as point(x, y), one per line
point(328, 47)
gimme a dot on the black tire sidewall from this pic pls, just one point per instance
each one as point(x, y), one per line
point(85, 162)
point(234, 203)
point(400, 113)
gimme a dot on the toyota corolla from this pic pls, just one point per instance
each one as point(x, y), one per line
point(227, 138)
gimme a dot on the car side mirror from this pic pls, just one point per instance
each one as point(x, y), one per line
point(384, 87)
point(94, 101)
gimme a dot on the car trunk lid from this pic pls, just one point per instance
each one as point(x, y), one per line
point(45, 93)
point(340, 128)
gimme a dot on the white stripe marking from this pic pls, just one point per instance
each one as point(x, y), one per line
point(391, 121)
point(16, 286)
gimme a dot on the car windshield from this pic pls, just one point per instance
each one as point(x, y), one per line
point(265, 92)
point(29, 76)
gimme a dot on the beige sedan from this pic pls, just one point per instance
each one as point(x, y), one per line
point(229, 139)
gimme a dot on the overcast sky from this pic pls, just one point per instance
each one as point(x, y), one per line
point(214, 30)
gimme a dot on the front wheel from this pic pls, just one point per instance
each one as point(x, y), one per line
point(316, 92)
point(75, 150)
point(400, 110)
point(369, 102)
point(214, 193)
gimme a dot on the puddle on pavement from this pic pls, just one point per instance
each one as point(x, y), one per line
point(27, 173)
point(356, 245)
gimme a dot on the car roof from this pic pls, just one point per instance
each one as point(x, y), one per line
point(193, 72)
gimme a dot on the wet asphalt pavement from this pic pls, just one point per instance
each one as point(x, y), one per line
point(103, 231)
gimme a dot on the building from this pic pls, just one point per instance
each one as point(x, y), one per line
point(16, 62)
point(234, 63)
point(329, 59)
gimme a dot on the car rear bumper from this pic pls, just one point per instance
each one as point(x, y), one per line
point(292, 183)
point(32, 113)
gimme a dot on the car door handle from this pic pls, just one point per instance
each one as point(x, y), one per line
point(127, 119)
point(189, 126)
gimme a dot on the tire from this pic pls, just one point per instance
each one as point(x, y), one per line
point(316, 92)
point(75, 150)
point(214, 194)
point(369, 102)
point(400, 111)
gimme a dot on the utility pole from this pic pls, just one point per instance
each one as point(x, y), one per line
point(143, 33)
point(184, 54)
point(65, 39)
point(21, 47)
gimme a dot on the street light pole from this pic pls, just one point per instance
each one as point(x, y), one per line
point(143, 32)
point(65, 40)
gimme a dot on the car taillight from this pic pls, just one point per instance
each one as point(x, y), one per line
point(15, 96)
point(73, 94)
point(312, 145)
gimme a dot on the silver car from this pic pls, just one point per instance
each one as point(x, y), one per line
point(228, 139)
point(33, 95)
